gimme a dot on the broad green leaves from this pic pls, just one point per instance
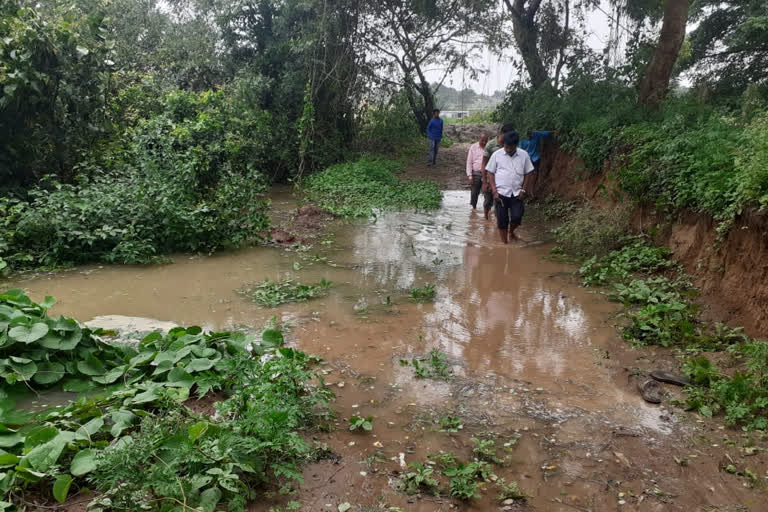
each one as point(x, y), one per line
point(61, 487)
point(217, 459)
point(28, 334)
point(9, 438)
point(45, 455)
point(84, 462)
point(42, 350)
point(48, 373)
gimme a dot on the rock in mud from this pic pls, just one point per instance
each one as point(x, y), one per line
point(650, 391)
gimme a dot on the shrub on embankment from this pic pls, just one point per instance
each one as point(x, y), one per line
point(726, 368)
point(691, 154)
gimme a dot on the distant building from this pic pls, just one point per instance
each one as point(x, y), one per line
point(454, 114)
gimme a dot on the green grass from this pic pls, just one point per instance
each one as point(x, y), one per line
point(359, 189)
point(593, 231)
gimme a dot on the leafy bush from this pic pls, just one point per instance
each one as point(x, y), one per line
point(743, 396)
point(186, 180)
point(55, 65)
point(619, 265)
point(593, 231)
point(273, 293)
point(135, 442)
point(40, 350)
point(356, 189)
point(388, 126)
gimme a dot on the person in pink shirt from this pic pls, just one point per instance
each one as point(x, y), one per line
point(475, 168)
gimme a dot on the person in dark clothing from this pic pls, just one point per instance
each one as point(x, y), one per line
point(435, 135)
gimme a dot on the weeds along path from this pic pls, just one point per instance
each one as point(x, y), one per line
point(461, 367)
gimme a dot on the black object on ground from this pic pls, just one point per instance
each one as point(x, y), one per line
point(670, 378)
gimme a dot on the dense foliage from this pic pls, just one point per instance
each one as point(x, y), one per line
point(690, 155)
point(357, 189)
point(135, 441)
point(186, 179)
point(135, 129)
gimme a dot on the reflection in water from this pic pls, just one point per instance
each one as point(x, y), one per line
point(501, 312)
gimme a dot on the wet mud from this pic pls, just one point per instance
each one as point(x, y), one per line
point(536, 361)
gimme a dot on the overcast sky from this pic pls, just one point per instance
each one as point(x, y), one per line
point(502, 71)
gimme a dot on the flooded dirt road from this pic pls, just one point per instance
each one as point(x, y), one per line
point(538, 366)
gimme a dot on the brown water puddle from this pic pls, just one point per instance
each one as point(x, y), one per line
point(533, 353)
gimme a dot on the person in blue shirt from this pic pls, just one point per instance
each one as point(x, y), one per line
point(434, 134)
point(532, 146)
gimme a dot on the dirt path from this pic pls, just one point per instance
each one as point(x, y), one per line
point(450, 171)
point(536, 366)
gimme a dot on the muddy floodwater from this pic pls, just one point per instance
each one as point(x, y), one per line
point(537, 361)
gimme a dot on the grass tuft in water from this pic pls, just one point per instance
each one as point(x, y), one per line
point(426, 293)
point(273, 293)
point(435, 366)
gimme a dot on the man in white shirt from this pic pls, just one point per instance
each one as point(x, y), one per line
point(475, 168)
point(509, 171)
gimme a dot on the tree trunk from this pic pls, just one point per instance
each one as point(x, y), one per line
point(654, 86)
point(417, 107)
point(527, 42)
point(564, 44)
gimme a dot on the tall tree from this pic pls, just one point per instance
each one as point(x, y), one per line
point(303, 60)
point(410, 37)
point(655, 83)
point(729, 46)
point(526, 35)
point(545, 34)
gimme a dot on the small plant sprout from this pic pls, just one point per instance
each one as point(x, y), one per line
point(509, 491)
point(450, 424)
point(358, 423)
point(437, 261)
point(485, 449)
point(435, 366)
point(419, 477)
point(427, 293)
point(443, 459)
